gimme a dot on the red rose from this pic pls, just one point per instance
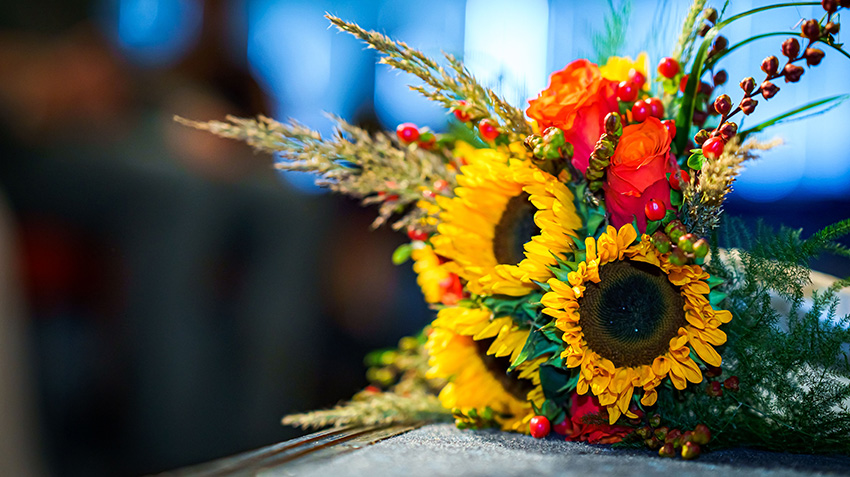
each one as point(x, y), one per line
point(577, 100)
point(588, 421)
point(638, 172)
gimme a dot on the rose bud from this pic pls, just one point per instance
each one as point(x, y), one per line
point(829, 5)
point(791, 48)
point(748, 85)
point(748, 105)
point(832, 28)
point(723, 104)
point(727, 130)
point(720, 78)
point(811, 29)
point(769, 90)
point(792, 73)
point(813, 56)
point(770, 65)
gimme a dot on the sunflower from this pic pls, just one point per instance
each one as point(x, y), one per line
point(505, 225)
point(438, 284)
point(473, 351)
point(630, 319)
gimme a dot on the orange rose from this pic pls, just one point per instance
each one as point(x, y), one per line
point(638, 172)
point(577, 100)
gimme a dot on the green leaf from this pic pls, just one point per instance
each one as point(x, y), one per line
point(557, 382)
point(676, 198)
point(714, 281)
point(835, 100)
point(402, 253)
point(715, 297)
point(652, 226)
point(696, 160)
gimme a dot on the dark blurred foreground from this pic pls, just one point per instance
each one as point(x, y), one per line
point(164, 297)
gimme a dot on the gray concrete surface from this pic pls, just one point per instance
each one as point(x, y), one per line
point(443, 450)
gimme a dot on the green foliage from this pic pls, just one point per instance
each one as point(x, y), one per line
point(610, 41)
point(792, 361)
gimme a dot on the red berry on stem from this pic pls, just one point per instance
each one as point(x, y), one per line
point(539, 427)
point(713, 147)
point(671, 127)
point(656, 108)
point(407, 132)
point(460, 115)
point(668, 67)
point(415, 234)
point(640, 111)
point(627, 91)
point(654, 210)
point(637, 78)
point(488, 129)
point(683, 84)
point(732, 383)
point(715, 389)
point(678, 178)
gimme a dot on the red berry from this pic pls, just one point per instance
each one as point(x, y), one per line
point(563, 428)
point(656, 108)
point(654, 210)
point(637, 78)
point(670, 125)
point(683, 84)
point(677, 178)
point(392, 198)
point(488, 129)
point(415, 234)
point(714, 389)
point(460, 115)
point(627, 91)
point(732, 383)
point(668, 67)
point(539, 427)
point(441, 184)
point(713, 147)
point(640, 111)
point(407, 132)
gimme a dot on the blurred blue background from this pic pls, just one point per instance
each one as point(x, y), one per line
point(167, 296)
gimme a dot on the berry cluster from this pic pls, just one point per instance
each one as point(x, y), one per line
point(669, 442)
point(682, 246)
point(713, 142)
point(600, 158)
point(551, 152)
point(715, 388)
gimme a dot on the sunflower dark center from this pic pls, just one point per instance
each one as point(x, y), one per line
point(516, 227)
point(498, 368)
point(630, 316)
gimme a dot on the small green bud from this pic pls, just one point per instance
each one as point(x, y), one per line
point(554, 136)
point(661, 241)
point(686, 243)
point(678, 258)
point(604, 148)
point(613, 124)
point(567, 151)
point(701, 248)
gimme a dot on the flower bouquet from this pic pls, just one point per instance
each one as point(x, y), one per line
point(586, 281)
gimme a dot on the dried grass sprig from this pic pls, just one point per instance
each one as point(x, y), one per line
point(704, 198)
point(375, 169)
point(370, 409)
point(445, 86)
point(687, 39)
